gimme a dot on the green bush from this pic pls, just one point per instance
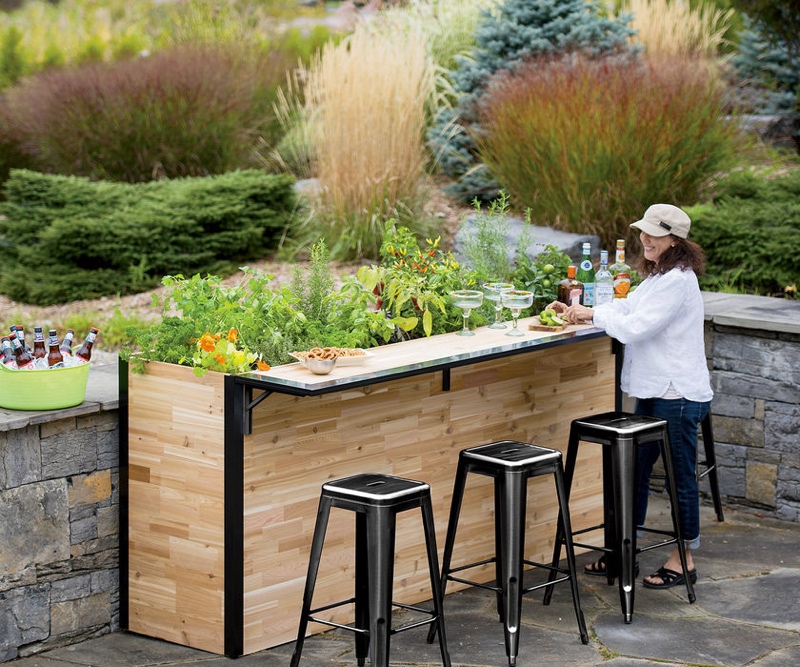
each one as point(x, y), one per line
point(583, 164)
point(66, 238)
point(189, 111)
point(751, 234)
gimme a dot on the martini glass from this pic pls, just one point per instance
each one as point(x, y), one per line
point(467, 300)
point(493, 292)
point(515, 301)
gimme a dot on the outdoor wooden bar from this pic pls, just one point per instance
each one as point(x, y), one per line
point(223, 472)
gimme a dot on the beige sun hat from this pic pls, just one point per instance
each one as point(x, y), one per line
point(663, 219)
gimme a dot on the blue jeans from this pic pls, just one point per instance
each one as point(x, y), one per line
point(683, 418)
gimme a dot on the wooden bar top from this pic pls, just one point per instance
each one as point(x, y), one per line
point(413, 357)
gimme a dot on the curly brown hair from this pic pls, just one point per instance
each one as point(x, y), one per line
point(682, 253)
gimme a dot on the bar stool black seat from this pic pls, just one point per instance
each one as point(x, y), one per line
point(511, 464)
point(621, 433)
point(376, 500)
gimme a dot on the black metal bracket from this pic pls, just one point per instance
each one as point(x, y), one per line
point(249, 404)
point(445, 379)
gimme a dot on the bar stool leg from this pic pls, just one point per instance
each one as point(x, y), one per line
point(569, 471)
point(573, 574)
point(320, 528)
point(380, 547)
point(623, 463)
point(711, 464)
point(459, 484)
point(361, 589)
point(513, 492)
point(669, 469)
point(436, 583)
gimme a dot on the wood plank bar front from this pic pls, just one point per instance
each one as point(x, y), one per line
point(220, 522)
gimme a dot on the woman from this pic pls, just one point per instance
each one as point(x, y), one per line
point(661, 326)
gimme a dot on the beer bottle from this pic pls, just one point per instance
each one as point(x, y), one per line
point(8, 357)
point(570, 290)
point(20, 331)
point(84, 353)
point(54, 357)
point(39, 351)
point(23, 357)
point(66, 344)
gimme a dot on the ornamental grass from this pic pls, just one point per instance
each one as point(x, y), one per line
point(678, 27)
point(367, 97)
point(588, 145)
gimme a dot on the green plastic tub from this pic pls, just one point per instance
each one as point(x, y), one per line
point(43, 390)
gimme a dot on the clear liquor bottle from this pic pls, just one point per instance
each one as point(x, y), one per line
point(603, 282)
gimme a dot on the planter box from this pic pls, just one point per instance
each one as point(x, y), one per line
point(220, 522)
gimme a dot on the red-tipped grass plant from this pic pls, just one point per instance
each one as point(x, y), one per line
point(188, 111)
point(589, 144)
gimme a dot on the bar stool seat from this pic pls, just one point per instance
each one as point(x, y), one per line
point(621, 433)
point(511, 464)
point(376, 499)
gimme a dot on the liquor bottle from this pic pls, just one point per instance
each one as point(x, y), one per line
point(66, 344)
point(84, 353)
point(8, 357)
point(39, 350)
point(54, 357)
point(570, 290)
point(586, 275)
point(621, 272)
point(24, 358)
point(603, 282)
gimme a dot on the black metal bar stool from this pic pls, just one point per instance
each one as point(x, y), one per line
point(710, 464)
point(511, 464)
point(376, 500)
point(621, 433)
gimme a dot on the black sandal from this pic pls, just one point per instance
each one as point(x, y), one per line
point(669, 578)
point(598, 568)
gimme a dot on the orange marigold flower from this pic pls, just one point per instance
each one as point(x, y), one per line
point(219, 358)
point(233, 335)
point(207, 342)
point(262, 365)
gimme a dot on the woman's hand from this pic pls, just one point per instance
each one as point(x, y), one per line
point(572, 314)
point(577, 313)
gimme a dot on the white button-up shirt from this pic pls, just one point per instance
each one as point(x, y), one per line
point(661, 326)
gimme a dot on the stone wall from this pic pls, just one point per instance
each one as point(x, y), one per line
point(756, 416)
point(59, 532)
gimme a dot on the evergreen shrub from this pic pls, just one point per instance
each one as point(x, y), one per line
point(751, 234)
point(189, 111)
point(587, 145)
point(68, 238)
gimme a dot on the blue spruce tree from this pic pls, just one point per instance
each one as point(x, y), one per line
point(514, 32)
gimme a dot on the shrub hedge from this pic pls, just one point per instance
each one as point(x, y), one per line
point(66, 238)
point(751, 234)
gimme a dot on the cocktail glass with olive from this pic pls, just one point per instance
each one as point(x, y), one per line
point(467, 300)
